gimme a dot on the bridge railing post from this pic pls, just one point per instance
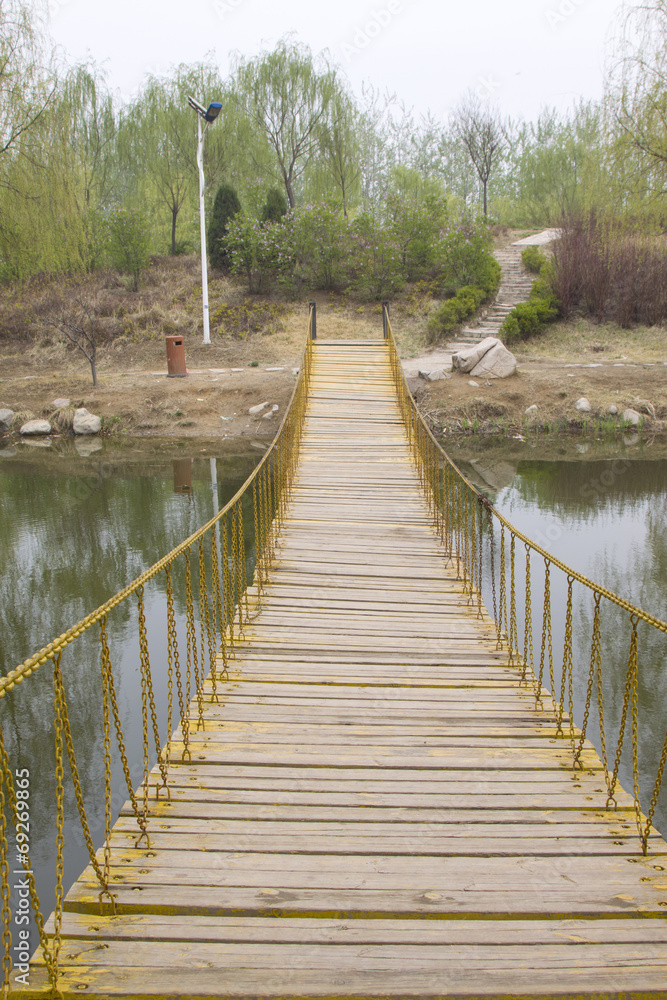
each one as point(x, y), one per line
point(385, 320)
point(313, 319)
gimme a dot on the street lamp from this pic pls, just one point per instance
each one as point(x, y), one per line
point(208, 115)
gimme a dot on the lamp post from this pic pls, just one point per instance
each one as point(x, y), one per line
point(207, 115)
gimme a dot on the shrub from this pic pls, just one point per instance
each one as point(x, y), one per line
point(259, 252)
point(275, 206)
point(604, 268)
point(374, 260)
point(225, 207)
point(319, 239)
point(449, 315)
point(489, 273)
point(529, 318)
point(464, 257)
point(533, 259)
point(414, 223)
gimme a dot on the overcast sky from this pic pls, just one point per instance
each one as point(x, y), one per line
point(524, 54)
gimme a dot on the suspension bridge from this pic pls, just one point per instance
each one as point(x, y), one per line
point(367, 784)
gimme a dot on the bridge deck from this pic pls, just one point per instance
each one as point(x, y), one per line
point(376, 809)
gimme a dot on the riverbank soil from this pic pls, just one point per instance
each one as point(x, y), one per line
point(255, 355)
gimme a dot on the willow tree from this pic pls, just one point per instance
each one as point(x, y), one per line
point(86, 104)
point(156, 143)
point(26, 81)
point(288, 98)
point(637, 92)
point(157, 147)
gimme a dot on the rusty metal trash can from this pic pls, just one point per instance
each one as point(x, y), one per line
point(175, 357)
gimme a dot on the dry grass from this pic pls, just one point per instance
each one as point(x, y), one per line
point(62, 420)
point(261, 328)
point(22, 417)
point(582, 339)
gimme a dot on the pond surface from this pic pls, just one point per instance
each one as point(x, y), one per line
point(603, 513)
point(75, 528)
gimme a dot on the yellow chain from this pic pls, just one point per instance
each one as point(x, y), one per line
point(566, 675)
point(236, 551)
point(503, 617)
point(259, 546)
point(206, 632)
point(146, 666)
point(101, 873)
point(242, 555)
point(654, 798)
point(597, 642)
point(628, 701)
point(105, 657)
point(218, 613)
point(227, 586)
point(591, 675)
point(547, 642)
point(514, 626)
point(528, 664)
point(144, 728)
point(192, 660)
point(172, 655)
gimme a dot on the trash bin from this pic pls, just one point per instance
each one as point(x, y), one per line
point(182, 475)
point(175, 357)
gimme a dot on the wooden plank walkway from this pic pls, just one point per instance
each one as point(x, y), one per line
point(376, 809)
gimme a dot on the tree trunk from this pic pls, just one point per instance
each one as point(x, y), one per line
point(93, 369)
point(287, 177)
point(174, 216)
point(484, 183)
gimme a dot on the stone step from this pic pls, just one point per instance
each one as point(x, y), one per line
point(480, 332)
point(515, 286)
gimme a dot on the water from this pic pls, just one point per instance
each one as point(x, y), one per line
point(75, 528)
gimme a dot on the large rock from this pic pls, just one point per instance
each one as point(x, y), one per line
point(6, 417)
point(34, 428)
point(496, 363)
point(583, 405)
point(85, 422)
point(465, 361)
point(632, 417)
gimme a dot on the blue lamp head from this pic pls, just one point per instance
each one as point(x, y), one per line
point(212, 111)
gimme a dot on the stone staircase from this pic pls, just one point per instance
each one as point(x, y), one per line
point(515, 285)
